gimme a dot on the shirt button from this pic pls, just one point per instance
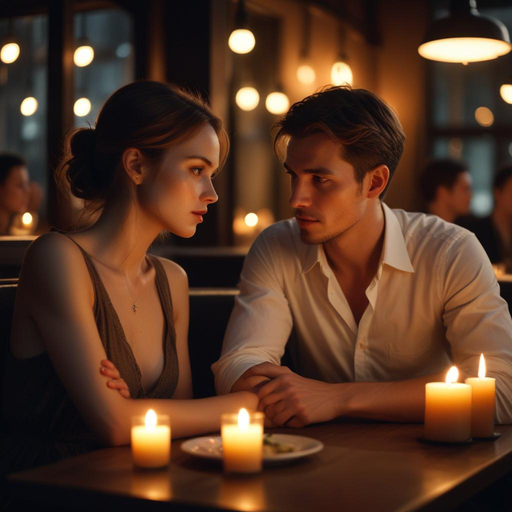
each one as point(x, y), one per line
point(361, 346)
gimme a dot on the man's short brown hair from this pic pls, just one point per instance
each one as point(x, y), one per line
point(367, 129)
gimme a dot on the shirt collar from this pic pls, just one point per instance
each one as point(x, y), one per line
point(394, 251)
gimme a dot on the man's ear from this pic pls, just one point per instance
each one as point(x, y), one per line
point(133, 165)
point(379, 178)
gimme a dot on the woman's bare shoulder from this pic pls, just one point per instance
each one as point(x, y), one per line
point(175, 274)
point(53, 258)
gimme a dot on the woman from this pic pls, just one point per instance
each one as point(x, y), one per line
point(92, 295)
point(14, 189)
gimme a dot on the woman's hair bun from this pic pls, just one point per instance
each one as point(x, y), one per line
point(82, 175)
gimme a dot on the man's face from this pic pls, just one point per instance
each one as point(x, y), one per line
point(459, 196)
point(325, 195)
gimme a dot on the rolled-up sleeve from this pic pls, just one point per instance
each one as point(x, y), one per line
point(261, 321)
point(476, 318)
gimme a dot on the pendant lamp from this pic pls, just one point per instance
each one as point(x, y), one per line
point(465, 36)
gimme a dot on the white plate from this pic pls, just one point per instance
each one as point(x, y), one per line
point(210, 447)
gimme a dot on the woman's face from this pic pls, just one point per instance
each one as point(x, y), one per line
point(14, 191)
point(179, 195)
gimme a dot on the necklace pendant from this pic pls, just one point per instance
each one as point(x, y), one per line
point(134, 308)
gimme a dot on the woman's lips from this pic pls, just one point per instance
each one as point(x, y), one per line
point(200, 214)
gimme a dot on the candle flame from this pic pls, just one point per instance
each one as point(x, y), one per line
point(452, 375)
point(243, 419)
point(481, 367)
point(150, 419)
point(26, 219)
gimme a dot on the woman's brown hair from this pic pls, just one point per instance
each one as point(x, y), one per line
point(149, 116)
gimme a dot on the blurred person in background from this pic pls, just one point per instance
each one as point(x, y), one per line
point(495, 231)
point(446, 187)
point(14, 189)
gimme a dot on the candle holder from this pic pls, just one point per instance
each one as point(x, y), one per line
point(242, 442)
point(151, 441)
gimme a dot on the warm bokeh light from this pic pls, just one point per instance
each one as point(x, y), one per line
point(484, 116)
point(9, 53)
point(341, 73)
point(306, 74)
point(464, 49)
point(251, 219)
point(26, 219)
point(83, 56)
point(241, 41)
point(481, 367)
point(243, 419)
point(150, 419)
point(506, 92)
point(277, 103)
point(82, 107)
point(452, 375)
point(29, 106)
point(247, 98)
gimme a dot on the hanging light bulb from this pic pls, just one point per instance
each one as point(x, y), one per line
point(241, 40)
point(306, 74)
point(83, 55)
point(341, 73)
point(82, 107)
point(506, 92)
point(465, 36)
point(277, 103)
point(29, 106)
point(10, 52)
point(247, 98)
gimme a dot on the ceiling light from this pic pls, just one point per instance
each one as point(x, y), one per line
point(465, 36)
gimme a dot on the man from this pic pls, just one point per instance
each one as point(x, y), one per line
point(446, 188)
point(495, 231)
point(378, 302)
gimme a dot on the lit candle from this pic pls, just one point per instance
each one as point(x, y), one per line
point(448, 409)
point(151, 442)
point(242, 441)
point(484, 390)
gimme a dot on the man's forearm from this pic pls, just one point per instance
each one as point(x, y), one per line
point(401, 401)
point(245, 383)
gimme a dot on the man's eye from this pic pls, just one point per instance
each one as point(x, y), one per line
point(320, 179)
point(291, 174)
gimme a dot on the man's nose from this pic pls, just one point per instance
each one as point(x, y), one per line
point(300, 197)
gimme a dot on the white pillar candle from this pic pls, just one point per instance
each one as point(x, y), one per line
point(242, 441)
point(448, 409)
point(151, 440)
point(484, 393)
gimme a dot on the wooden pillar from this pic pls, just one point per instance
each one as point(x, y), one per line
point(60, 101)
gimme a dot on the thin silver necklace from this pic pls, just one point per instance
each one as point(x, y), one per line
point(134, 303)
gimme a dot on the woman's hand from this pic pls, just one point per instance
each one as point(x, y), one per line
point(108, 369)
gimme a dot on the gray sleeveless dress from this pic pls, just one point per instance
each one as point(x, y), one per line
point(40, 423)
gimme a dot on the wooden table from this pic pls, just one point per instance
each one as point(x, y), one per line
point(364, 467)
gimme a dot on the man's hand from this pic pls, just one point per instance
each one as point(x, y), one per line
point(108, 369)
point(291, 400)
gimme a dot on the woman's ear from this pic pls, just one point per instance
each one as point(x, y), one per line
point(379, 178)
point(133, 164)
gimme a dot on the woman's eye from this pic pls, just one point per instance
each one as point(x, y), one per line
point(197, 170)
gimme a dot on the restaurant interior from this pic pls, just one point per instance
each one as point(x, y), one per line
point(60, 62)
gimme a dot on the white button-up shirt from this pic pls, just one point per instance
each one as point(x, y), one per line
point(433, 302)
